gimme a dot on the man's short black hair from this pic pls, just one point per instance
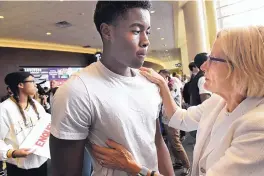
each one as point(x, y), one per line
point(108, 11)
point(174, 74)
point(164, 71)
point(191, 66)
point(200, 58)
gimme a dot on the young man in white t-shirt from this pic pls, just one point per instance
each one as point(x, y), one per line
point(110, 99)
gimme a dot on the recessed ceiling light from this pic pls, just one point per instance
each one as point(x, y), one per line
point(166, 50)
point(2, 17)
point(81, 13)
point(162, 38)
point(153, 11)
point(158, 28)
point(164, 45)
point(48, 33)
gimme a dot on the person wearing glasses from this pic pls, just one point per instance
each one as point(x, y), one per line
point(230, 124)
point(18, 116)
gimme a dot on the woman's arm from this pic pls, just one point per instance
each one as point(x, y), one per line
point(186, 120)
point(7, 151)
point(117, 157)
point(3, 150)
point(4, 129)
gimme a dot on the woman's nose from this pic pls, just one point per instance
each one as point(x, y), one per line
point(204, 66)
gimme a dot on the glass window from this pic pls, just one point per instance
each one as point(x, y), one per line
point(231, 13)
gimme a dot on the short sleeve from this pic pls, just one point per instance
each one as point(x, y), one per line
point(71, 112)
point(201, 83)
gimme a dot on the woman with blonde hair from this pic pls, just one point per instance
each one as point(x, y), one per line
point(18, 116)
point(230, 124)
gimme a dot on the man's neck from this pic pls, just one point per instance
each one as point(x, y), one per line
point(115, 66)
point(195, 73)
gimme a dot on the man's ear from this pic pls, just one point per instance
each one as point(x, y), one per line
point(20, 85)
point(106, 31)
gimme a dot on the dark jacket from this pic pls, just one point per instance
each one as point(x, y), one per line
point(194, 89)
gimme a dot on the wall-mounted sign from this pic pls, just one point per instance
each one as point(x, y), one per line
point(178, 65)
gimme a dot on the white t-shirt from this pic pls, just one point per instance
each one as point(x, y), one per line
point(177, 90)
point(177, 82)
point(201, 83)
point(13, 132)
point(99, 104)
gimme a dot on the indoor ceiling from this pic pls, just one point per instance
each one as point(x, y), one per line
point(32, 21)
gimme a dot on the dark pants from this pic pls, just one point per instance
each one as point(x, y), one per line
point(2, 171)
point(13, 170)
point(177, 149)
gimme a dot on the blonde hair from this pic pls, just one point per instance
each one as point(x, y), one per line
point(243, 48)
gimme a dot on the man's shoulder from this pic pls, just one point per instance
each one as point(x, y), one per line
point(88, 70)
point(79, 78)
point(79, 83)
point(144, 81)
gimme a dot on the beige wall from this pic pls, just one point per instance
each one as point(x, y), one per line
point(180, 35)
point(211, 20)
point(195, 29)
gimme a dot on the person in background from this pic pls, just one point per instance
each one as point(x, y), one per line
point(18, 116)
point(173, 135)
point(198, 93)
point(46, 90)
point(9, 94)
point(54, 85)
point(177, 81)
point(186, 92)
point(43, 100)
point(87, 164)
point(179, 85)
point(185, 79)
point(2, 169)
point(111, 99)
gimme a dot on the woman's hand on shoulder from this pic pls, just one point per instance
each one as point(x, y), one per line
point(153, 76)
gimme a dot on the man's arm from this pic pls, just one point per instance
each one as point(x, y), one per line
point(66, 156)
point(164, 159)
point(70, 122)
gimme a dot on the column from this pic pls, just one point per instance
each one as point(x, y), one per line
point(195, 26)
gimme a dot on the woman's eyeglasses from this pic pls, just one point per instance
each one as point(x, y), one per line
point(210, 58)
point(32, 81)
